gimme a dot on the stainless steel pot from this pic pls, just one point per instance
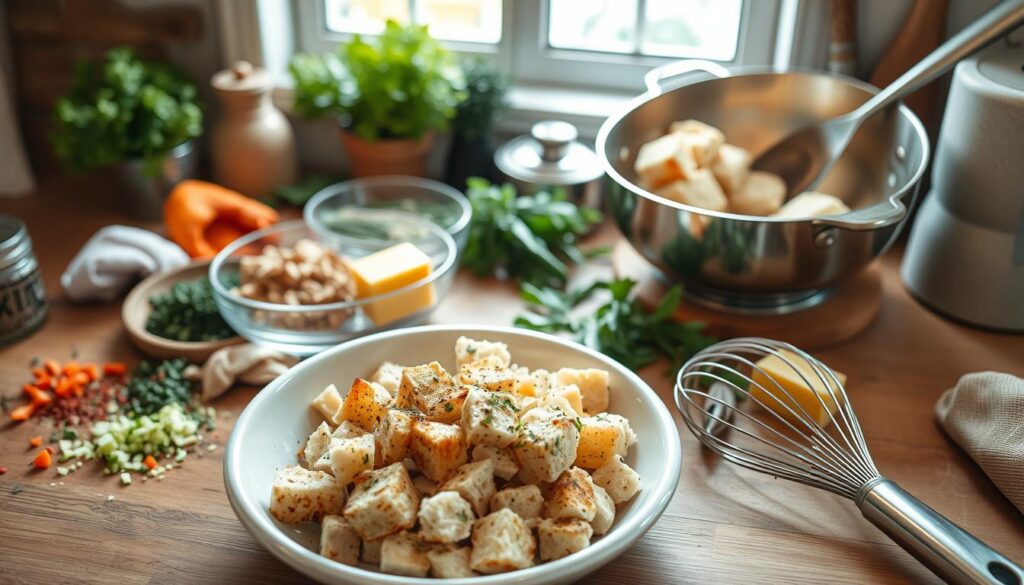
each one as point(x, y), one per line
point(763, 264)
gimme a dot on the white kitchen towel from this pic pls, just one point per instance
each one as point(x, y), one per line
point(247, 363)
point(984, 414)
point(114, 258)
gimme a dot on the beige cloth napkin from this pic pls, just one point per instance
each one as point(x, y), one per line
point(247, 363)
point(984, 414)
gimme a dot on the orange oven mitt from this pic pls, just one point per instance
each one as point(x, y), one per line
point(203, 218)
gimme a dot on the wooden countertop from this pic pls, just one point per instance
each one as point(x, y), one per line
point(724, 525)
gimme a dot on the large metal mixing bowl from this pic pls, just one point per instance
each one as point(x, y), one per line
point(753, 264)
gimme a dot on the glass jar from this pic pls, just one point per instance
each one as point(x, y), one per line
point(23, 306)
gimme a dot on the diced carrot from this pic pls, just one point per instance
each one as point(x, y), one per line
point(36, 441)
point(114, 369)
point(81, 378)
point(71, 368)
point(42, 460)
point(3, 470)
point(52, 366)
point(92, 371)
point(39, 397)
point(64, 387)
point(44, 383)
point(149, 462)
point(40, 373)
point(23, 412)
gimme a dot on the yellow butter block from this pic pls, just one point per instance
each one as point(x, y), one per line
point(389, 270)
point(800, 392)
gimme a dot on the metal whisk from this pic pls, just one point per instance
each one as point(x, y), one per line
point(741, 411)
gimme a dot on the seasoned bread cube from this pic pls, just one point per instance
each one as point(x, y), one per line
point(338, 541)
point(370, 552)
point(664, 160)
point(327, 403)
point(525, 500)
point(403, 554)
point(501, 542)
point(593, 384)
point(571, 496)
point(475, 483)
point(546, 445)
point(761, 194)
point(389, 376)
point(489, 418)
point(489, 374)
point(393, 436)
point(437, 448)
point(553, 401)
point(317, 444)
point(618, 479)
point(450, 562)
point(602, 437)
point(469, 350)
point(382, 502)
point(812, 204)
point(571, 393)
point(562, 537)
point(424, 485)
point(366, 404)
point(702, 139)
point(351, 456)
point(529, 383)
point(299, 495)
point(347, 430)
point(731, 167)
point(605, 516)
point(431, 390)
point(505, 466)
point(445, 518)
point(699, 190)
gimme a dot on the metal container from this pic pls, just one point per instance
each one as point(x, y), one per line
point(753, 264)
point(23, 306)
point(550, 156)
point(145, 186)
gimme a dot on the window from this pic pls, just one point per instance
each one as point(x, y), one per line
point(474, 21)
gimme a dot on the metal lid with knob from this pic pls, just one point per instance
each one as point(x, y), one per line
point(549, 155)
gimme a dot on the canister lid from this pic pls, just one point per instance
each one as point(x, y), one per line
point(550, 155)
point(242, 77)
point(14, 241)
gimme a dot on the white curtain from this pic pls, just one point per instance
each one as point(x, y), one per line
point(15, 174)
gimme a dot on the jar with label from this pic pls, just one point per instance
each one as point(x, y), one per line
point(23, 305)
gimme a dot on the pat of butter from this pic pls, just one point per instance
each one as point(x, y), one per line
point(800, 392)
point(389, 270)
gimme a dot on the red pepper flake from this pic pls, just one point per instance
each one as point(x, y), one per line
point(3, 470)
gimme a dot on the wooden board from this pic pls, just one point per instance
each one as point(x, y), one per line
point(840, 317)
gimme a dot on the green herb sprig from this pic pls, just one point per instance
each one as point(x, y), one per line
point(154, 385)
point(187, 312)
point(621, 328)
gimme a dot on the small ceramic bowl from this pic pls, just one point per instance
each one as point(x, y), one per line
point(136, 309)
point(279, 418)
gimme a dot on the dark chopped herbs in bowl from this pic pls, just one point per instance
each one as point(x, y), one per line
point(187, 312)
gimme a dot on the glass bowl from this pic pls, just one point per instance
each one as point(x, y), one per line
point(308, 329)
point(333, 205)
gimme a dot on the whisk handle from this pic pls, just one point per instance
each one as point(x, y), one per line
point(948, 550)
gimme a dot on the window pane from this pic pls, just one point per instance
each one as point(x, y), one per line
point(707, 29)
point(364, 16)
point(476, 21)
point(596, 25)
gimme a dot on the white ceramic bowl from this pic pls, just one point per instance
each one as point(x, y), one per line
point(279, 419)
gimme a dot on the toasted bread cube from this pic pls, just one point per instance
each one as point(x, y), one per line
point(470, 350)
point(351, 456)
point(541, 407)
point(450, 562)
point(702, 139)
point(338, 541)
point(383, 502)
point(505, 466)
point(593, 384)
point(731, 167)
point(347, 430)
point(811, 204)
point(571, 496)
point(432, 391)
point(605, 516)
point(664, 160)
point(389, 376)
point(546, 445)
point(601, 438)
point(562, 537)
point(370, 552)
point(424, 485)
point(529, 383)
point(475, 483)
point(393, 436)
point(501, 542)
point(437, 448)
point(445, 518)
point(299, 495)
point(489, 418)
point(526, 501)
point(327, 403)
point(699, 190)
point(572, 395)
point(317, 444)
point(761, 194)
point(366, 404)
point(403, 554)
point(488, 374)
point(618, 479)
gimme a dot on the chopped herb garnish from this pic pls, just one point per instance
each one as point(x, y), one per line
point(366, 458)
point(579, 424)
point(448, 407)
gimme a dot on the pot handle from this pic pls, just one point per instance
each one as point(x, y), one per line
point(862, 220)
point(655, 76)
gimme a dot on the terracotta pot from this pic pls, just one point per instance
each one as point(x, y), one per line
point(387, 157)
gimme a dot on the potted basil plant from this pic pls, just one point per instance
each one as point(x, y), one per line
point(390, 95)
point(136, 116)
